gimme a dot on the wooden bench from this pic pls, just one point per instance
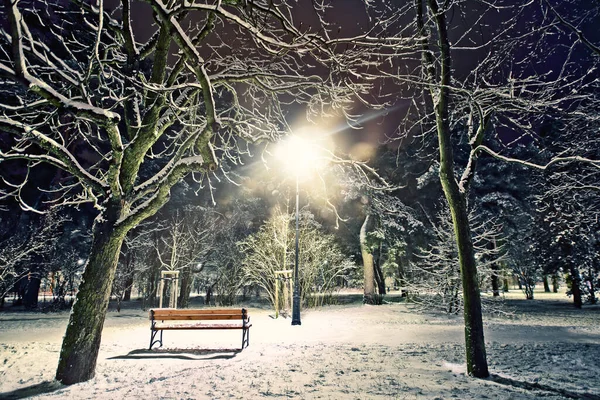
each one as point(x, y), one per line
point(173, 319)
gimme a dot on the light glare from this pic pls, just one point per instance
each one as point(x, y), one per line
point(299, 156)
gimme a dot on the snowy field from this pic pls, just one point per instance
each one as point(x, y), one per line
point(547, 349)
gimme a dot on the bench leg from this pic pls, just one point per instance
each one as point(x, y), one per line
point(245, 337)
point(152, 341)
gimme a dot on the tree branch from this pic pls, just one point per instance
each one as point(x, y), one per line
point(557, 160)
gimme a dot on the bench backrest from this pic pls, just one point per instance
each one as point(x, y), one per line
point(171, 314)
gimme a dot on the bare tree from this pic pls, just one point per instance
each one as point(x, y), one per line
point(178, 241)
point(385, 221)
point(470, 81)
point(434, 282)
point(22, 252)
point(321, 263)
point(568, 205)
point(185, 243)
point(224, 265)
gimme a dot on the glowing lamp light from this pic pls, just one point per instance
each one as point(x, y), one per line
point(299, 156)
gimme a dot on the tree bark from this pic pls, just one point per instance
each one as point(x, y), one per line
point(368, 264)
point(555, 282)
point(79, 352)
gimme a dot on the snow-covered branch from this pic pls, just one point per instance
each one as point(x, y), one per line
point(552, 162)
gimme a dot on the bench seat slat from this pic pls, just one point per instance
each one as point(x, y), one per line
point(164, 312)
point(192, 317)
point(201, 326)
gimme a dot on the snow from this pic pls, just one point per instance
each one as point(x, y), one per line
point(547, 349)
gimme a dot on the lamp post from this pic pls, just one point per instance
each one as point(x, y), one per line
point(296, 295)
point(301, 156)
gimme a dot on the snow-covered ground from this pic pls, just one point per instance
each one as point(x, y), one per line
point(547, 349)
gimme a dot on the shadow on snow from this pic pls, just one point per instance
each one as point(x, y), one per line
point(538, 386)
point(34, 390)
point(180, 354)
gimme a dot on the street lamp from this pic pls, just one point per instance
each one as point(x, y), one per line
point(300, 157)
point(296, 294)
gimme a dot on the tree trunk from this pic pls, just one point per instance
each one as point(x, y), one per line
point(495, 279)
point(127, 294)
point(208, 297)
point(574, 276)
point(546, 284)
point(379, 277)
point(401, 279)
point(505, 284)
point(369, 268)
point(577, 300)
point(186, 288)
point(496, 271)
point(457, 202)
point(528, 290)
point(474, 338)
point(456, 194)
point(81, 342)
point(593, 299)
point(152, 282)
point(555, 282)
point(575, 289)
point(130, 259)
point(32, 290)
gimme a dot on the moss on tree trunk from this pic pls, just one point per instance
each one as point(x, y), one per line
point(79, 352)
